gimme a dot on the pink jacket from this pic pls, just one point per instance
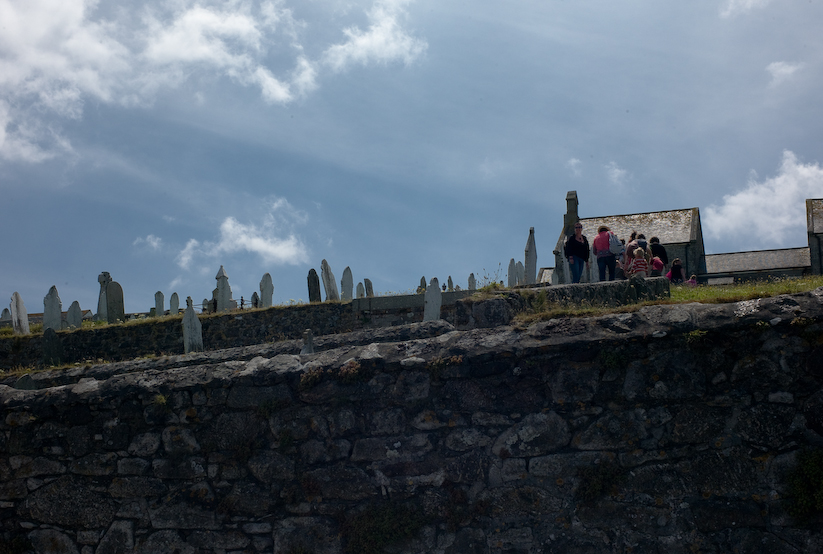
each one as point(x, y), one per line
point(600, 246)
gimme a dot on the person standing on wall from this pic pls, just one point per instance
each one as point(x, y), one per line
point(577, 252)
point(605, 258)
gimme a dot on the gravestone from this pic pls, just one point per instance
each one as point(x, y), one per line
point(6, 315)
point(369, 288)
point(159, 304)
point(531, 260)
point(472, 282)
point(520, 274)
point(206, 308)
point(104, 279)
point(115, 309)
point(346, 285)
point(52, 348)
point(152, 312)
point(329, 283)
point(308, 342)
point(192, 330)
point(74, 317)
point(451, 285)
point(255, 300)
point(314, 286)
point(52, 310)
point(432, 301)
point(422, 287)
point(512, 274)
point(19, 315)
point(223, 291)
point(266, 291)
point(361, 290)
point(174, 304)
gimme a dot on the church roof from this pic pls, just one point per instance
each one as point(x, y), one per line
point(759, 260)
point(670, 226)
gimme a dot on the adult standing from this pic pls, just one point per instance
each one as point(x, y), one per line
point(605, 258)
point(659, 251)
point(576, 251)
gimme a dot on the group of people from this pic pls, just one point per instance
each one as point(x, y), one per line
point(638, 258)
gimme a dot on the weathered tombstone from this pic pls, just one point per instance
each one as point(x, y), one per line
point(314, 286)
point(432, 301)
point(152, 312)
point(346, 285)
point(531, 259)
point(308, 342)
point(159, 304)
point(361, 290)
point(520, 273)
point(206, 308)
point(512, 274)
point(115, 309)
point(19, 315)
point(192, 330)
point(422, 287)
point(266, 291)
point(329, 283)
point(52, 348)
point(472, 282)
point(74, 317)
point(104, 279)
point(52, 310)
point(6, 315)
point(255, 300)
point(223, 291)
point(451, 285)
point(369, 288)
point(174, 304)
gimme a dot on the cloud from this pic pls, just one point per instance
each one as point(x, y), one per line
point(731, 8)
point(153, 242)
point(186, 255)
point(573, 165)
point(782, 71)
point(768, 213)
point(616, 174)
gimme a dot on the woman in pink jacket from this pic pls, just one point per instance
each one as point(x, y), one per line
point(605, 258)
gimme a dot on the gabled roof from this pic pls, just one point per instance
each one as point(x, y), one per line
point(671, 226)
point(759, 260)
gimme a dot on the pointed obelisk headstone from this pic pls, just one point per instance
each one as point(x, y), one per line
point(19, 315)
point(52, 310)
point(223, 291)
point(329, 283)
point(361, 290)
point(369, 288)
point(346, 285)
point(74, 317)
point(422, 287)
point(255, 300)
point(104, 279)
point(308, 342)
point(432, 301)
point(159, 304)
point(520, 274)
point(314, 286)
point(266, 291)
point(472, 282)
point(192, 330)
point(512, 277)
point(451, 284)
point(174, 304)
point(115, 308)
point(531, 259)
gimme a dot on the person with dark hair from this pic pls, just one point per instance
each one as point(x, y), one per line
point(605, 258)
point(659, 251)
point(576, 251)
point(676, 274)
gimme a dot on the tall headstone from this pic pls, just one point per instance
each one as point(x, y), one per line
point(422, 287)
point(6, 315)
point(520, 273)
point(531, 259)
point(361, 290)
point(115, 308)
point(255, 300)
point(52, 310)
point(512, 274)
point(266, 291)
point(174, 304)
point(223, 291)
point(308, 342)
point(104, 279)
point(432, 301)
point(192, 330)
point(19, 315)
point(206, 308)
point(369, 288)
point(451, 284)
point(472, 282)
point(346, 285)
point(74, 317)
point(314, 286)
point(159, 304)
point(329, 284)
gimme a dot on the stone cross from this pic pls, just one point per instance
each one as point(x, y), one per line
point(115, 308)
point(192, 330)
point(314, 286)
point(329, 283)
point(512, 274)
point(74, 317)
point(472, 282)
point(451, 285)
point(520, 274)
point(361, 290)
point(255, 300)
point(19, 315)
point(308, 342)
point(531, 259)
point(346, 285)
point(266, 291)
point(52, 310)
point(174, 304)
point(432, 301)
point(104, 279)
point(369, 288)
point(159, 304)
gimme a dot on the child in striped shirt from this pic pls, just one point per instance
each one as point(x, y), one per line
point(638, 267)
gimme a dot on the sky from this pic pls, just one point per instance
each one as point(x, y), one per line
point(159, 140)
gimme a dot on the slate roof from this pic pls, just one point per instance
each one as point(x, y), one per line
point(759, 260)
point(671, 226)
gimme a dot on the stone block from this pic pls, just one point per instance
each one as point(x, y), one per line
point(537, 434)
point(51, 541)
point(118, 539)
point(130, 487)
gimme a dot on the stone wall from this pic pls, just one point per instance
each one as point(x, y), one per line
point(666, 430)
